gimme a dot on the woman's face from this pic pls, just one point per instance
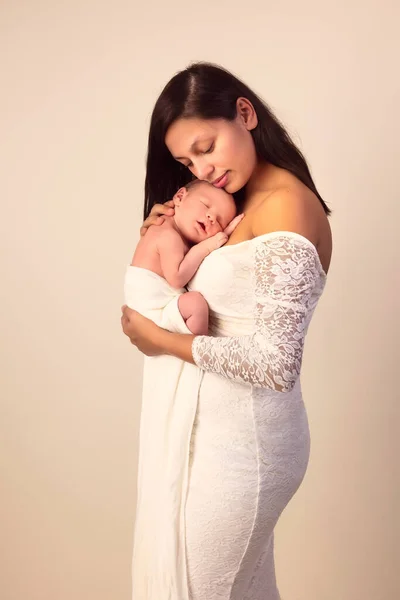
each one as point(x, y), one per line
point(219, 151)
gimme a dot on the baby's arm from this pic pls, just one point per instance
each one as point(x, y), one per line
point(179, 266)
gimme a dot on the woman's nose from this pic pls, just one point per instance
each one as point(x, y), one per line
point(204, 171)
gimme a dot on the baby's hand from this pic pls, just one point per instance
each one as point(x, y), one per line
point(233, 224)
point(216, 241)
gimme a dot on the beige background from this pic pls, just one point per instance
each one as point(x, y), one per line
point(79, 80)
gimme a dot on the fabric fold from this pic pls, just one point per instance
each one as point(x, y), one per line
point(169, 404)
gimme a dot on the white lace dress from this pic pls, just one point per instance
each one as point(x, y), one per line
point(250, 441)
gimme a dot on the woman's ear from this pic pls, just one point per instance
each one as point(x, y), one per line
point(179, 196)
point(246, 113)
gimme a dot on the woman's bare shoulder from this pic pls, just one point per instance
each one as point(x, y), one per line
point(295, 210)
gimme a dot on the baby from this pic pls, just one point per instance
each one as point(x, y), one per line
point(174, 251)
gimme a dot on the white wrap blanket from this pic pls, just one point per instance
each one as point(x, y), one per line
point(169, 402)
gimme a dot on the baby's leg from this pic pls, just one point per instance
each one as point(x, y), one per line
point(194, 310)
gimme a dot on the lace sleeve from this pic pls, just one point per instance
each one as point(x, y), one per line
point(284, 276)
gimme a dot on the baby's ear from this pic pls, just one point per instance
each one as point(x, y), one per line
point(179, 196)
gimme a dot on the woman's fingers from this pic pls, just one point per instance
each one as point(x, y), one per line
point(163, 209)
point(157, 215)
point(124, 318)
point(125, 321)
point(151, 220)
point(125, 312)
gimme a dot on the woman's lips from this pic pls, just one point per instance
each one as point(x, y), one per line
point(221, 181)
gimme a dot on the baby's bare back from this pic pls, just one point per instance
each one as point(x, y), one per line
point(162, 250)
point(147, 253)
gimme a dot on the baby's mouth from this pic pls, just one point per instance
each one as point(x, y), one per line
point(203, 227)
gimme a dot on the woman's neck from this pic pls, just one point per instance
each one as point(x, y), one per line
point(260, 178)
point(266, 178)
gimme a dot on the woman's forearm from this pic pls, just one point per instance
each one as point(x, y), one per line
point(177, 344)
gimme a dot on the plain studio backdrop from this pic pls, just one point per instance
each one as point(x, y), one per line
point(79, 81)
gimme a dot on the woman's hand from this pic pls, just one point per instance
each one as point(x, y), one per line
point(156, 216)
point(153, 340)
point(143, 333)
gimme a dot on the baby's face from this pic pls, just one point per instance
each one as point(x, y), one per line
point(203, 211)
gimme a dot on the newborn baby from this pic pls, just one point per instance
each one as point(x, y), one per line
point(174, 251)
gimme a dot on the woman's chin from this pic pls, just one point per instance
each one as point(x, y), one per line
point(235, 184)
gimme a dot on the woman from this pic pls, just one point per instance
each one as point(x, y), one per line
point(250, 439)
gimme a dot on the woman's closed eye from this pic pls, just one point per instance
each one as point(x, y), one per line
point(189, 165)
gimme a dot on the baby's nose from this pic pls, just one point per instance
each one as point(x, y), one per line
point(211, 217)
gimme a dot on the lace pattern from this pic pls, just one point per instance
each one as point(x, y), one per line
point(286, 272)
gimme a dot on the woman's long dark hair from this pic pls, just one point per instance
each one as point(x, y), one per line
point(208, 91)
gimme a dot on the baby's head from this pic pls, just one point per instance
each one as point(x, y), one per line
point(202, 210)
